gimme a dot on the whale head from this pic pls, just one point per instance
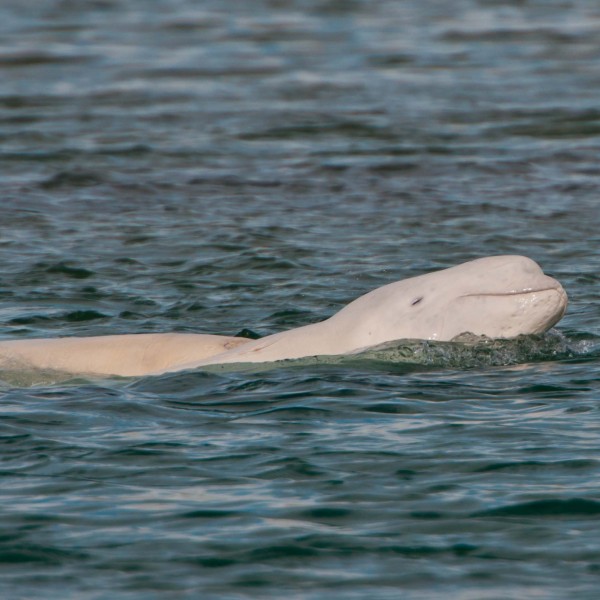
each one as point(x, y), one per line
point(497, 297)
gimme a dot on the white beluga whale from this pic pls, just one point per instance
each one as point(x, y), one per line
point(496, 297)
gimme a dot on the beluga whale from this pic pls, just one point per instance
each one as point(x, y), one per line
point(496, 297)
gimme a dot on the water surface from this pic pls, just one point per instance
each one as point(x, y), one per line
point(212, 166)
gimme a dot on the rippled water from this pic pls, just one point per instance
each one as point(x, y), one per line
point(212, 166)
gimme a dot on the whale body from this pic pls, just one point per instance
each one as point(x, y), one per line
point(496, 297)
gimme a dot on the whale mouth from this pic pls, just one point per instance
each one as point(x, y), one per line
point(504, 314)
point(556, 289)
point(561, 299)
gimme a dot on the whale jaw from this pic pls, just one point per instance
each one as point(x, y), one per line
point(508, 315)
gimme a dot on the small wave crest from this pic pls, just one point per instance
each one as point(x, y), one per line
point(467, 351)
point(470, 351)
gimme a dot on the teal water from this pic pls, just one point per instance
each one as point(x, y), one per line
point(208, 167)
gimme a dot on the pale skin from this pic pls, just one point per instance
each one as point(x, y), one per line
point(122, 355)
point(496, 297)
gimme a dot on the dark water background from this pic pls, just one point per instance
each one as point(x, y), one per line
point(171, 165)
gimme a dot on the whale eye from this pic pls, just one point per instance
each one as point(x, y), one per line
point(416, 301)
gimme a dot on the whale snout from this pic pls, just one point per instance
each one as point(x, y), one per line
point(560, 301)
point(522, 309)
point(537, 310)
